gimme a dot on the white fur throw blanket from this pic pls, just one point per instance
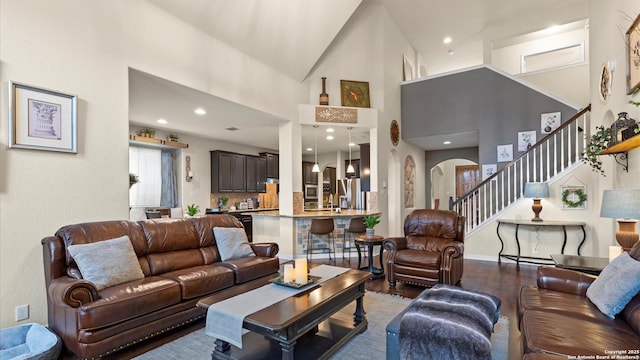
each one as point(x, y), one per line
point(448, 322)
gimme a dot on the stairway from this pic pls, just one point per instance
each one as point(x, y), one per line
point(557, 152)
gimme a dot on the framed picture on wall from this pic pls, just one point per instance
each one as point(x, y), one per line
point(633, 56)
point(355, 93)
point(549, 122)
point(41, 119)
point(505, 153)
point(526, 139)
point(488, 170)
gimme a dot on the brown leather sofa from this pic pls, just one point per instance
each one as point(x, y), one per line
point(556, 318)
point(431, 250)
point(181, 264)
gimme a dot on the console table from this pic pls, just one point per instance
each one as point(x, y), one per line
point(551, 224)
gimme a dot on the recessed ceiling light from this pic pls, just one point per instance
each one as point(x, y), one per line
point(447, 40)
point(200, 111)
point(309, 149)
point(161, 121)
point(330, 130)
point(447, 142)
point(330, 137)
point(352, 144)
point(450, 52)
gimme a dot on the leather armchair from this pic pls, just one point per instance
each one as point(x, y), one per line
point(430, 251)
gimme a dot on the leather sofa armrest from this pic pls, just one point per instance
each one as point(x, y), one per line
point(392, 245)
point(265, 249)
point(563, 280)
point(453, 250)
point(68, 292)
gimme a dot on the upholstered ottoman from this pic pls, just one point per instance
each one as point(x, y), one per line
point(444, 322)
point(29, 341)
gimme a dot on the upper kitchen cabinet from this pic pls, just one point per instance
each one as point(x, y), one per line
point(329, 178)
point(308, 176)
point(228, 172)
point(256, 174)
point(356, 167)
point(273, 165)
point(365, 167)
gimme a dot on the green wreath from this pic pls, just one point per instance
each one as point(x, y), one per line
point(582, 197)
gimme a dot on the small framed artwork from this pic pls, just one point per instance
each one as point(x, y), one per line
point(42, 119)
point(488, 170)
point(605, 83)
point(574, 197)
point(355, 93)
point(633, 56)
point(407, 68)
point(549, 122)
point(505, 153)
point(526, 139)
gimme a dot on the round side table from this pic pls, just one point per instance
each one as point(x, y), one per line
point(370, 242)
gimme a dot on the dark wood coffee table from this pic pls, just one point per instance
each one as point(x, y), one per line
point(292, 328)
point(586, 264)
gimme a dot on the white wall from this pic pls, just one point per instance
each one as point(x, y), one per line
point(571, 84)
point(508, 58)
point(86, 48)
point(370, 48)
point(607, 43)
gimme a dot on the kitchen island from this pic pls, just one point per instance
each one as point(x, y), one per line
point(290, 231)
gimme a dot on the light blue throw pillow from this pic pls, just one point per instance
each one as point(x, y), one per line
point(616, 285)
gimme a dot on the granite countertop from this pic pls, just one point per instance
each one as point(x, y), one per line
point(251, 210)
point(320, 213)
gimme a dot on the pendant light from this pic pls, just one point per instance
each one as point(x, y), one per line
point(350, 169)
point(316, 167)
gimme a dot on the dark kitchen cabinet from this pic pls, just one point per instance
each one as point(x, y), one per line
point(228, 172)
point(308, 176)
point(356, 167)
point(273, 165)
point(329, 177)
point(256, 174)
point(365, 167)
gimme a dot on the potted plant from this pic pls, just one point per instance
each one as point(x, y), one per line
point(193, 209)
point(173, 137)
point(598, 142)
point(147, 132)
point(370, 221)
point(133, 179)
point(223, 202)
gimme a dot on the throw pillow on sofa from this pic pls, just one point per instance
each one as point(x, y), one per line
point(616, 285)
point(107, 263)
point(232, 243)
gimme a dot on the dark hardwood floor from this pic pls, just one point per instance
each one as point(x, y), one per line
point(503, 281)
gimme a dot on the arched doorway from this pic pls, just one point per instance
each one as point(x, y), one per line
point(452, 178)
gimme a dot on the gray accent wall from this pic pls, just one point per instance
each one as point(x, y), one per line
point(481, 100)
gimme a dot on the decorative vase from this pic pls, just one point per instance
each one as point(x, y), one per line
point(324, 97)
point(369, 232)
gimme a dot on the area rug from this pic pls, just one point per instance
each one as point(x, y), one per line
point(370, 345)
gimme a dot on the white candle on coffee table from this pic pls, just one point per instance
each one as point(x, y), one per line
point(301, 271)
point(288, 273)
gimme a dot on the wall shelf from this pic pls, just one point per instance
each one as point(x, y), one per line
point(149, 140)
point(630, 143)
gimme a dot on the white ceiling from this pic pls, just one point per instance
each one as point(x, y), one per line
point(292, 35)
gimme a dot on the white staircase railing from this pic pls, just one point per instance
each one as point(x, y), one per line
point(546, 159)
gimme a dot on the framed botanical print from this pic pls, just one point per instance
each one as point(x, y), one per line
point(633, 56)
point(42, 119)
point(355, 93)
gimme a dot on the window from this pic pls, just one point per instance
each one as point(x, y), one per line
point(555, 58)
point(146, 163)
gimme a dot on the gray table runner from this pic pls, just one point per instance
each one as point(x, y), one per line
point(225, 318)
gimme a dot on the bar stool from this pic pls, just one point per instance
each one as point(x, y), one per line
point(356, 227)
point(320, 226)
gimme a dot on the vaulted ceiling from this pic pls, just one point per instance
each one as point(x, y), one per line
point(291, 36)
